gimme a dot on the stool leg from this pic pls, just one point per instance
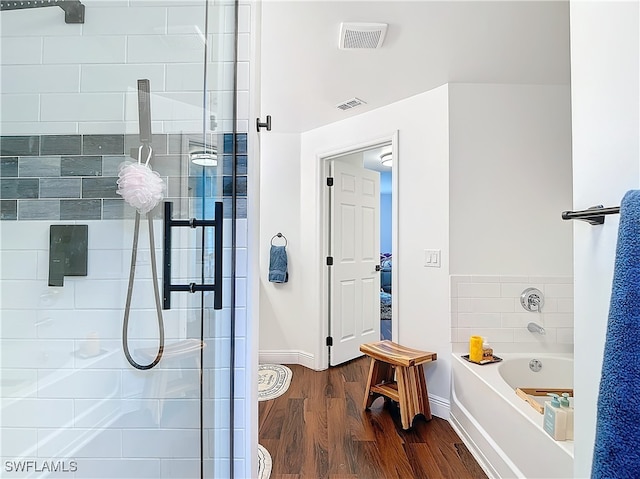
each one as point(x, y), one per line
point(412, 390)
point(404, 395)
point(423, 395)
point(379, 372)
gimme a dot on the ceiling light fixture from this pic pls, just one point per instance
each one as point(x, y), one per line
point(386, 159)
point(204, 159)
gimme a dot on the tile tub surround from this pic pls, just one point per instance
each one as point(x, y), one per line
point(73, 177)
point(490, 306)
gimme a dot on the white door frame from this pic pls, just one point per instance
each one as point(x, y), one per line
point(323, 240)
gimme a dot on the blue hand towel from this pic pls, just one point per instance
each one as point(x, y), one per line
point(616, 454)
point(278, 265)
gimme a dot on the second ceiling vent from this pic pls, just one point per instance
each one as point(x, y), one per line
point(361, 35)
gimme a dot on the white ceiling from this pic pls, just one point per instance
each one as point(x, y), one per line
point(429, 43)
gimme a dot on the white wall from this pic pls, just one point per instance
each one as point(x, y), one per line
point(424, 297)
point(487, 118)
point(510, 162)
point(510, 179)
point(605, 55)
point(281, 325)
point(81, 78)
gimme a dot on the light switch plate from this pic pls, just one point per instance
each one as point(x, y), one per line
point(432, 258)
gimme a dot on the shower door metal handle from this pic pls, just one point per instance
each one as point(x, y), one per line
point(216, 287)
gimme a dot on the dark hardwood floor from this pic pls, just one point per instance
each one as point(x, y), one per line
point(318, 430)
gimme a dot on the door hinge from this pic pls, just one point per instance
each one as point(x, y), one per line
point(329, 341)
point(329, 260)
point(329, 181)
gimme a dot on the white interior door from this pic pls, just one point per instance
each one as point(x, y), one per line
point(355, 248)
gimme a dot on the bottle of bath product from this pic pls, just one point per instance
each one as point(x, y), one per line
point(475, 349)
point(555, 418)
point(487, 351)
point(566, 407)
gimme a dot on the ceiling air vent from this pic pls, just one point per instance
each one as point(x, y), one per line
point(361, 35)
point(347, 105)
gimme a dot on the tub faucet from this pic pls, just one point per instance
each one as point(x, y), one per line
point(535, 328)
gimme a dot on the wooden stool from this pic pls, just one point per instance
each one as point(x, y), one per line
point(408, 388)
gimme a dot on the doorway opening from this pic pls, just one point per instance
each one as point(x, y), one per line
point(359, 238)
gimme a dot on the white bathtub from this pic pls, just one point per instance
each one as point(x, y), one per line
point(501, 430)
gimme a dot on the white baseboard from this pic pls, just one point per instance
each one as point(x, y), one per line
point(287, 357)
point(440, 407)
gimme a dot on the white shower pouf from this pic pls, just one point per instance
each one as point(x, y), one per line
point(140, 186)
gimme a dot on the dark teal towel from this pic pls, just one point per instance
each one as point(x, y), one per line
point(616, 453)
point(278, 265)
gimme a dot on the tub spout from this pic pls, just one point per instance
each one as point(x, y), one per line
point(535, 328)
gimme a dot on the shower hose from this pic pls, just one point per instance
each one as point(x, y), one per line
point(127, 309)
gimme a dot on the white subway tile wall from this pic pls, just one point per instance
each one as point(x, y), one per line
point(61, 79)
point(43, 327)
point(489, 306)
point(44, 60)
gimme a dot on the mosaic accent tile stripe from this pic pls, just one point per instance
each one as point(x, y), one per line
point(241, 185)
point(159, 143)
point(19, 188)
point(167, 165)
point(60, 187)
point(103, 144)
point(241, 165)
point(111, 164)
point(73, 177)
point(81, 166)
point(201, 187)
point(241, 143)
point(39, 166)
point(9, 167)
point(100, 187)
point(39, 210)
point(241, 207)
point(60, 145)
point(19, 145)
point(117, 210)
point(80, 209)
point(8, 210)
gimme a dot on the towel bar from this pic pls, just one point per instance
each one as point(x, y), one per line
point(594, 215)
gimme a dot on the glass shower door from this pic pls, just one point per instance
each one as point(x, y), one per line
point(72, 403)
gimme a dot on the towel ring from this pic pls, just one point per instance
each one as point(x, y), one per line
point(279, 235)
